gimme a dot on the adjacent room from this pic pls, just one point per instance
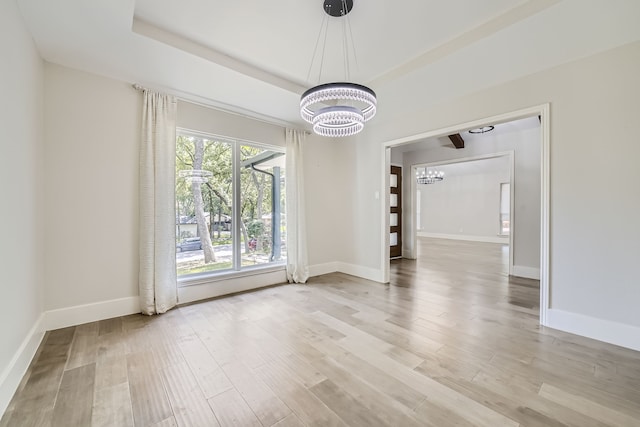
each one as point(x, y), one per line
point(330, 212)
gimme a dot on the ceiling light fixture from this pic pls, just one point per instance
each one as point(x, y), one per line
point(483, 129)
point(429, 176)
point(337, 109)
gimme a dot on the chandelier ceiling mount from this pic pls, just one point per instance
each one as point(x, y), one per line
point(338, 7)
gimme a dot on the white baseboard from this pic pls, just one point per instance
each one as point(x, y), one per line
point(361, 271)
point(320, 269)
point(216, 288)
point(13, 373)
point(467, 237)
point(526, 272)
point(346, 268)
point(406, 254)
point(602, 330)
point(206, 290)
point(79, 314)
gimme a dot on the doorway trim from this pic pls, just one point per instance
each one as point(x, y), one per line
point(543, 111)
point(413, 254)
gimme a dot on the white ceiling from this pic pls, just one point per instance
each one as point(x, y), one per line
point(253, 56)
point(490, 165)
point(511, 127)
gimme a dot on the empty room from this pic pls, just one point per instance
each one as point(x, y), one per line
point(320, 213)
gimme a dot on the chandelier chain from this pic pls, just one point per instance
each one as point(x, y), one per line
point(355, 54)
point(324, 46)
point(323, 24)
point(350, 34)
point(345, 43)
point(345, 53)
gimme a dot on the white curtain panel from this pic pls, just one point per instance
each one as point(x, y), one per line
point(297, 264)
point(157, 279)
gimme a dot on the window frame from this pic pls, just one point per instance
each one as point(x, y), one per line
point(500, 213)
point(237, 270)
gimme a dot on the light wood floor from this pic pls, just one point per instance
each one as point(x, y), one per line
point(451, 341)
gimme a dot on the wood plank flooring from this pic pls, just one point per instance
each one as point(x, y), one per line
point(452, 341)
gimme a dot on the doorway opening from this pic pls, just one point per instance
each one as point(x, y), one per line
point(541, 116)
point(469, 203)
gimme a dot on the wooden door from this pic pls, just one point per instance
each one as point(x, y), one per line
point(395, 212)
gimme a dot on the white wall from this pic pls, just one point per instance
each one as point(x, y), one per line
point(396, 157)
point(325, 173)
point(203, 119)
point(525, 144)
point(21, 190)
point(361, 244)
point(92, 129)
point(463, 205)
point(594, 227)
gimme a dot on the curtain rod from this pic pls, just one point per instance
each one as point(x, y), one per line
point(225, 108)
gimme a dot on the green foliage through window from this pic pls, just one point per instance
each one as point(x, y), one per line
point(204, 204)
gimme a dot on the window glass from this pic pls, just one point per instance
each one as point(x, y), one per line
point(262, 205)
point(505, 207)
point(205, 214)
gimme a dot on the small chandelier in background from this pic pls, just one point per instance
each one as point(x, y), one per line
point(429, 176)
point(341, 108)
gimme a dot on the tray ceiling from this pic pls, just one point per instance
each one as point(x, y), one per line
point(253, 57)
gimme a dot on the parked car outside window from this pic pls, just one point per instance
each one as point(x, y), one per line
point(189, 244)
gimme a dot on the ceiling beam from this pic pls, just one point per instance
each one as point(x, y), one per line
point(516, 14)
point(457, 140)
point(212, 55)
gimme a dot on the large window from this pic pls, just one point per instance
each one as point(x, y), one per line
point(229, 205)
point(505, 208)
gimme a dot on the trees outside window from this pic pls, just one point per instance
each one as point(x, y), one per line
point(206, 188)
